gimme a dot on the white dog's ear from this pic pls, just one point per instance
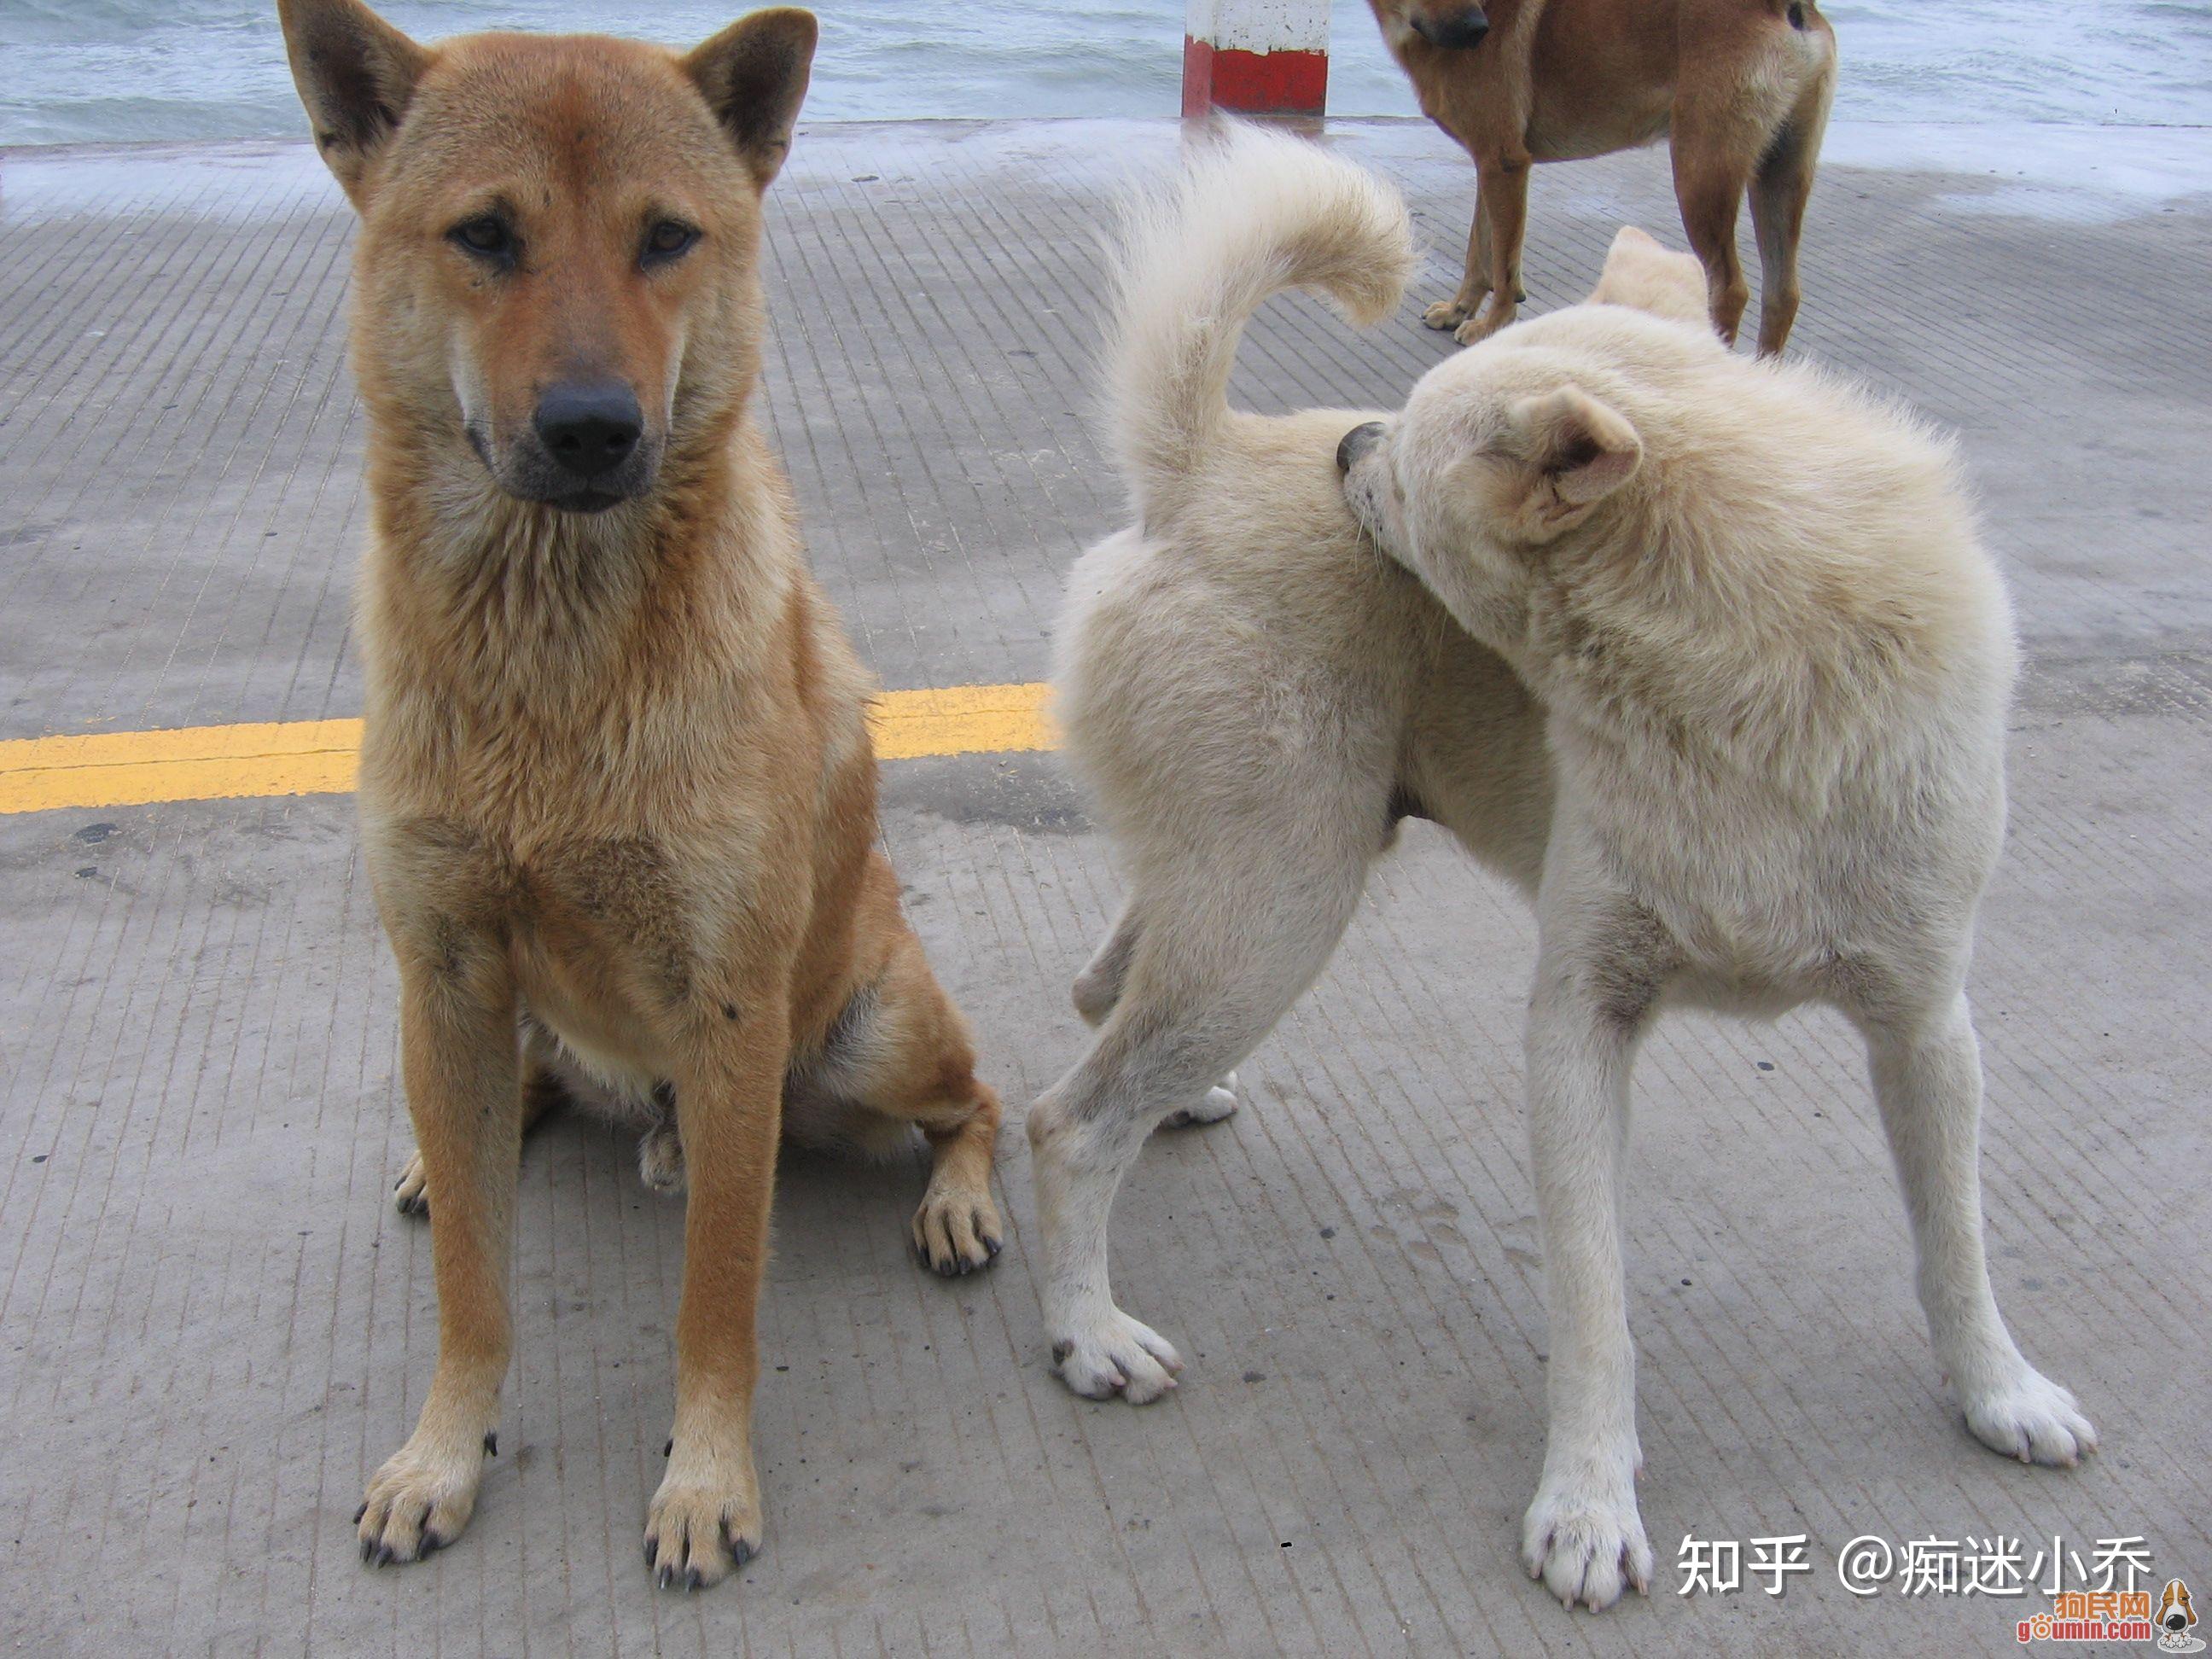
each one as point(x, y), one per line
point(1577, 451)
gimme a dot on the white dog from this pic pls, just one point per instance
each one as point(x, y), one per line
point(1255, 696)
point(1775, 662)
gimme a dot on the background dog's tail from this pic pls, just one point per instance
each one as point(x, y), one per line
point(1253, 214)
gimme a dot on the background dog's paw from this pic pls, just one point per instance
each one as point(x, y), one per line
point(1218, 1102)
point(1116, 1355)
point(957, 1230)
point(2032, 1418)
point(418, 1502)
point(411, 1195)
point(660, 1159)
point(1586, 1543)
point(1445, 313)
point(1492, 317)
point(698, 1532)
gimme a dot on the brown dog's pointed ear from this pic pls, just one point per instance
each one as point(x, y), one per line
point(355, 74)
point(1579, 450)
point(753, 75)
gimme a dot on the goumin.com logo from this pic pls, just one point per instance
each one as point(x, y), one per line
point(2119, 1616)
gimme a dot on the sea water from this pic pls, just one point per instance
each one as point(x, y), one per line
point(78, 71)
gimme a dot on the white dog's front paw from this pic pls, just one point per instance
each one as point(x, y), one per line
point(1585, 1541)
point(2032, 1418)
point(1218, 1102)
point(1116, 1355)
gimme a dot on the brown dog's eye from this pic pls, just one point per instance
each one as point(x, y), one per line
point(670, 239)
point(484, 236)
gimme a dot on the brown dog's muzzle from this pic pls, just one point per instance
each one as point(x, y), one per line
point(1458, 31)
point(586, 448)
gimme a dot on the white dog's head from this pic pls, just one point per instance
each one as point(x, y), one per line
point(1503, 448)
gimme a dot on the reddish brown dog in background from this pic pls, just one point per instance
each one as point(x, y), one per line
point(1740, 87)
point(616, 792)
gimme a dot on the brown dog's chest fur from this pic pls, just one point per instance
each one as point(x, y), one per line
point(649, 779)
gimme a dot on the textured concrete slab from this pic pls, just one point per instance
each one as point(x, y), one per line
point(212, 1326)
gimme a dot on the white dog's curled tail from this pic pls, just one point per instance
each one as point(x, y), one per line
point(1253, 214)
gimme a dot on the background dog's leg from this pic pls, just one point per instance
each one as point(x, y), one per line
point(1928, 1081)
point(1474, 279)
point(1779, 190)
point(1502, 197)
point(1227, 945)
point(706, 1517)
point(1098, 988)
point(1712, 157)
point(1598, 973)
point(459, 1055)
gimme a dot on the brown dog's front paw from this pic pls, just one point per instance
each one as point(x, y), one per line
point(1445, 313)
point(956, 1231)
point(419, 1501)
point(699, 1531)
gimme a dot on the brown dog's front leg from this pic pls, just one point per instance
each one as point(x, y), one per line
point(458, 1054)
point(706, 1518)
point(1475, 280)
point(1504, 201)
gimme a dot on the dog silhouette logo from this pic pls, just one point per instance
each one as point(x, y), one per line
point(2176, 1615)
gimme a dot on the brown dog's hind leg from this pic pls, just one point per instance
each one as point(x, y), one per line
point(1711, 167)
point(903, 1051)
point(1474, 281)
point(1779, 190)
point(898, 1053)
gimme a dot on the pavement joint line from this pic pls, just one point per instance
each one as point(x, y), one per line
point(321, 757)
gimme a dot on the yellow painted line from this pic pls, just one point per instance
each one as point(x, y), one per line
point(320, 757)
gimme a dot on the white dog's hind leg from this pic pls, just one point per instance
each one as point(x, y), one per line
point(1219, 960)
point(1098, 988)
point(1583, 1534)
point(1928, 1082)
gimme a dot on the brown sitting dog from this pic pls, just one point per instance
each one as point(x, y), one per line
point(617, 789)
point(1740, 87)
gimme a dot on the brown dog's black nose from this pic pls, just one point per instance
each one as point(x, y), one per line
point(1459, 30)
point(589, 427)
point(1349, 446)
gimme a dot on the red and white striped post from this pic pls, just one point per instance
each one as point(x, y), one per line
point(1255, 57)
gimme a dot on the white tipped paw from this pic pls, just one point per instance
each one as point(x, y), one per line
point(420, 1500)
point(2032, 1418)
point(660, 1159)
point(1586, 1543)
point(1218, 1102)
point(1445, 313)
point(1493, 317)
point(410, 1196)
point(698, 1532)
point(957, 1230)
point(1116, 1355)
